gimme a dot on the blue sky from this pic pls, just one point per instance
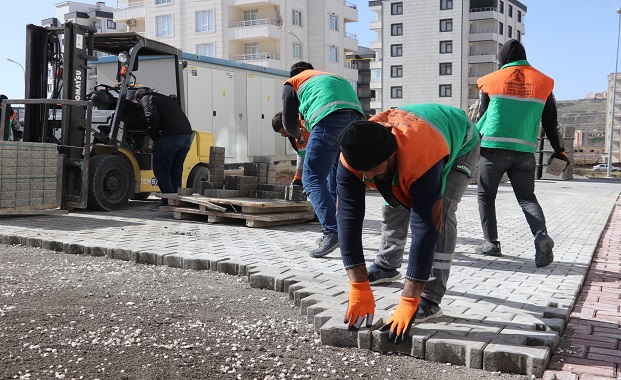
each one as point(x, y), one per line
point(573, 41)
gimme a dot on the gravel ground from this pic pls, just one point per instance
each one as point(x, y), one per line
point(80, 317)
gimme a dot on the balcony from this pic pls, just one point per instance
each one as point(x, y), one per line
point(376, 44)
point(350, 42)
point(255, 30)
point(126, 10)
point(484, 35)
point(375, 64)
point(483, 56)
point(264, 59)
point(244, 3)
point(350, 12)
point(375, 25)
point(376, 104)
point(483, 13)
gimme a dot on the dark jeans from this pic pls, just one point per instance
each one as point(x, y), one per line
point(520, 167)
point(320, 163)
point(168, 155)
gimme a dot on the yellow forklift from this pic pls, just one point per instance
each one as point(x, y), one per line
point(109, 161)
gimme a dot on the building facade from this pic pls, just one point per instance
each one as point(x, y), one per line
point(268, 33)
point(613, 126)
point(434, 51)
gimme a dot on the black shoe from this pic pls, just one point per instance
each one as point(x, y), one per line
point(329, 242)
point(543, 249)
point(379, 275)
point(427, 310)
point(489, 248)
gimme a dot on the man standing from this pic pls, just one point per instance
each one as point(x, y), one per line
point(409, 154)
point(327, 103)
point(514, 101)
point(171, 133)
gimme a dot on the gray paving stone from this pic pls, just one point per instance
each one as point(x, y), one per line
point(515, 359)
point(448, 348)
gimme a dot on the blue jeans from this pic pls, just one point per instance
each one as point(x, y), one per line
point(168, 155)
point(320, 163)
point(396, 221)
point(520, 168)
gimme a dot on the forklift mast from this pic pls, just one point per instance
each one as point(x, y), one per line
point(68, 73)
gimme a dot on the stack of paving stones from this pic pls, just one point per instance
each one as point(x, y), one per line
point(28, 175)
point(257, 180)
point(567, 140)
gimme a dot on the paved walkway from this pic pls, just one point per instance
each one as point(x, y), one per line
point(501, 314)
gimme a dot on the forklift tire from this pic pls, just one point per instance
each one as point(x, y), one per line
point(197, 176)
point(110, 182)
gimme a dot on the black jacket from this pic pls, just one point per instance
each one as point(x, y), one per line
point(164, 116)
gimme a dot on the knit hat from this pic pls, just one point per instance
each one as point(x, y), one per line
point(366, 144)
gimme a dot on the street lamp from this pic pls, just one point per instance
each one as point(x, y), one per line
point(20, 65)
point(614, 94)
point(299, 42)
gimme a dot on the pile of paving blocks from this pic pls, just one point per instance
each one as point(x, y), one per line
point(257, 180)
point(28, 175)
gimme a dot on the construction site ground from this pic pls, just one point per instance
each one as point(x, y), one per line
point(500, 314)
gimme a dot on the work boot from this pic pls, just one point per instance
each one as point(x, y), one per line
point(379, 275)
point(427, 310)
point(329, 242)
point(489, 248)
point(543, 249)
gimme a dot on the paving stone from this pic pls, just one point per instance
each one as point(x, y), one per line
point(449, 348)
point(514, 359)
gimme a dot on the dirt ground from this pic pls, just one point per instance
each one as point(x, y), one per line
point(80, 317)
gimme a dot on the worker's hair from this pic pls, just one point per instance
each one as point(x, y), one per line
point(277, 122)
point(142, 92)
point(298, 67)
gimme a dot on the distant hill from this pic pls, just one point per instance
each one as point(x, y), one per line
point(585, 114)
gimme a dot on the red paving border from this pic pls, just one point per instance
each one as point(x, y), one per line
point(592, 347)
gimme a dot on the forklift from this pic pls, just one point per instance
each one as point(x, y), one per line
point(105, 149)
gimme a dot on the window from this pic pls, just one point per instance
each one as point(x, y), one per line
point(519, 17)
point(204, 21)
point(501, 6)
point(297, 18)
point(501, 28)
point(251, 17)
point(297, 50)
point(396, 92)
point(396, 50)
point(396, 8)
point(510, 10)
point(446, 68)
point(334, 22)
point(446, 25)
point(446, 47)
point(396, 29)
point(509, 31)
point(334, 53)
point(446, 90)
point(396, 71)
point(111, 24)
point(207, 50)
point(251, 50)
point(376, 75)
point(164, 26)
point(446, 4)
point(519, 35)
point(158, 2)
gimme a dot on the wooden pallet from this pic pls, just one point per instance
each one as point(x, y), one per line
point(255, 212)
point(23, 212)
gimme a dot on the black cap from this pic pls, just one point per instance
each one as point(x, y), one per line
point(298, 67)
point(366, 144)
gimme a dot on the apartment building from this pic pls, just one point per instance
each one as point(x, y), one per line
point(613, 111)
point(434, 51)
point(268, 33)
point(97, 15)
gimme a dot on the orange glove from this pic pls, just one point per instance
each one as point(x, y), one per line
point(401, 321)
point(361, 304)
